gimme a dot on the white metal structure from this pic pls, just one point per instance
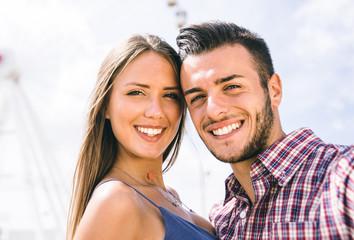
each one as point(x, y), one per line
point(32, 199)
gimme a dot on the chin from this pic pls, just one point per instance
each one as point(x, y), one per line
point(149, 155)
point(225, 157)
point(234, 153)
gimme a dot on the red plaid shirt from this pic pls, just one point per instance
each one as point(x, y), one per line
point(304, 190)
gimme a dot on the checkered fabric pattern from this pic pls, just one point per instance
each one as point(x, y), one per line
point(304, 190)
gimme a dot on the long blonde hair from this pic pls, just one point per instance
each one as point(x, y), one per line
point(99, 148)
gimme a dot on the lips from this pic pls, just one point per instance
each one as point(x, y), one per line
point(226, 129)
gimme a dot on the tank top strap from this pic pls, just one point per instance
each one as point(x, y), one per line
point(109, 180)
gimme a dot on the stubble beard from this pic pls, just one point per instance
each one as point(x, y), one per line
point(258, 143)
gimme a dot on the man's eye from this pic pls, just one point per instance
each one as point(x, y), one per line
point(196, 98)
point(135, 92)
point(232, 87)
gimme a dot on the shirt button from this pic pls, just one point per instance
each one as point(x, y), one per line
point(243, 214)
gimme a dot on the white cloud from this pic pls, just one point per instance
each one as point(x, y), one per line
point(325, 27)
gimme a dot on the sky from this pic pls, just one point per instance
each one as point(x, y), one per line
point(56, 48)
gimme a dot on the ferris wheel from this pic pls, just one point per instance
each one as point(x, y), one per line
point(181, 14)
point(32, 204)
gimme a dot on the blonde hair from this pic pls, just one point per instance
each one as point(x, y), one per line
point(99, 148)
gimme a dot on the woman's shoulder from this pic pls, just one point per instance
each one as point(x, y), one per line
point(113, 210)
point(173, 191)
point(115, 194)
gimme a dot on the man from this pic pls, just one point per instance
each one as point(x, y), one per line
point(290, 186)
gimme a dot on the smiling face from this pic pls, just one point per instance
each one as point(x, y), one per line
point(232, 113)
point(144, 107)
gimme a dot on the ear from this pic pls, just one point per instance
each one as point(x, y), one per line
point(275, 89)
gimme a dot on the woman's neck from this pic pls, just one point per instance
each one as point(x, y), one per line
point(139, 171)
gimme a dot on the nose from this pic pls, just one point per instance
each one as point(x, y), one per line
point(153, 109)
point(216, 108)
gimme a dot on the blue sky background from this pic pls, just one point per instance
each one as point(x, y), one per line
point(57, 47)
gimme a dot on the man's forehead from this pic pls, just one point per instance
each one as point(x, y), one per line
point(225, 60)
point(200, 73)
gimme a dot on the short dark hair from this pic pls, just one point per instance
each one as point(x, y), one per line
point(201, 38)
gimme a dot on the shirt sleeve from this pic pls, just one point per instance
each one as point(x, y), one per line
point(337, 206)
point(347, 183)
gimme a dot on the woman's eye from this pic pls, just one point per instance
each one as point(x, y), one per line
point(135, 92)
point(174, 96)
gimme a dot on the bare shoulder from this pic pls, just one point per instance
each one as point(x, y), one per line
point(173, 191)
point(114, 210)
point(110, 192)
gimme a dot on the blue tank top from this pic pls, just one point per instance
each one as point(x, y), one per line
point(177, 228)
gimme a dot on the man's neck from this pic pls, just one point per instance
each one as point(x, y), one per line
point(242, 172)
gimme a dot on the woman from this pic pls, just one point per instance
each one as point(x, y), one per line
point(134, 125)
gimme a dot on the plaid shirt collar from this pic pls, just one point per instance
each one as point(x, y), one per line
point(278, 160)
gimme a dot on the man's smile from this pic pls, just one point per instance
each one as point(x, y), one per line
point(226, 129)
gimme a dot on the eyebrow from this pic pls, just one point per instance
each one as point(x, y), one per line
point(138, 84)
point(172, 88)
point(226, 79)
point(192, 90)
point(147, 86)
point(217, 82)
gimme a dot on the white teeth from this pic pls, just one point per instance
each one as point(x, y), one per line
point(150, 131)
point(219, 131)
point(229, 128)
point(226, 129)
